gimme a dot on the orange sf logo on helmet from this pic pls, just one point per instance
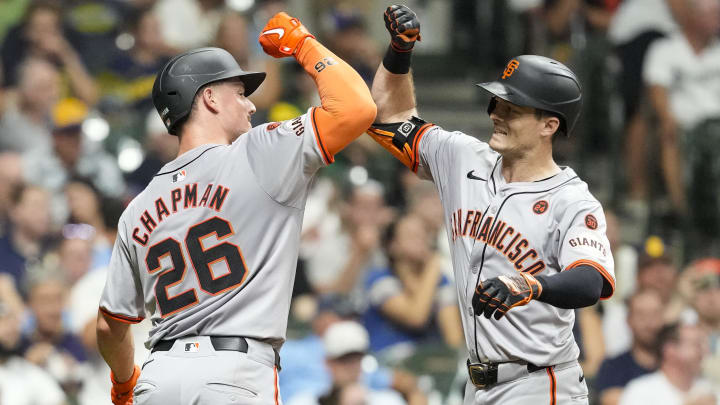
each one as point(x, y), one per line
point(510, 69)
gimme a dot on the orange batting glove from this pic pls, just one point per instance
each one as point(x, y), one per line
point(122, 393)
point(283, 35)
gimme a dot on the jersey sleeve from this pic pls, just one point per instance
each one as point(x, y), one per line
point(285, 156)
point(584, 243)
point(122, 297)
point(441, 151)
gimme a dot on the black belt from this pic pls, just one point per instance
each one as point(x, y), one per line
point(220, 343)
point(484, 375)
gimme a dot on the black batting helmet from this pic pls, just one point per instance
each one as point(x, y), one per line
point(542, 83)
point(180, 79)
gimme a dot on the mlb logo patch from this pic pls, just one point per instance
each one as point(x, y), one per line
point(179, 176)
point(193, 347)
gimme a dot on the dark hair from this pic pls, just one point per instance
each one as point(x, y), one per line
point(17, 192)
point(645, 260)
point(668, 333)
point(562, 129)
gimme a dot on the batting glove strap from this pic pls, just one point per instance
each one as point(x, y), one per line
point(403, 26)
point(498, 295)
point(283, 36)
point(122, 393)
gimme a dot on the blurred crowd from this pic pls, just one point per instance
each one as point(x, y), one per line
point(374, 317)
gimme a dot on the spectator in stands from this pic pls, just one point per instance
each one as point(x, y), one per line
point(93, 28)
point(351, 41)
point(40, 35)
point(176, 16)
point(234, 35)
point(160, 148)
point(27, 239)
point(75, 252)
point(616, 372)
point(72, 156)
point(656, 273)
point(338, 261)
point(681, 349)
point(26, 123)
point(88, 207)
point(345, 344)
point(126, 83)
point(424, 202)
point(47, 343)
point(10, 176)
point(411, 301)
point(700, 286)
point(635, 26)
point(306, 375)
point(683, 75)
point(21, 382)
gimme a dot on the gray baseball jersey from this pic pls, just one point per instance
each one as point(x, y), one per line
point(495, 228)
point(210, 247)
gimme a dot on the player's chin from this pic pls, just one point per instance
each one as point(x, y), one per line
point(498, 142)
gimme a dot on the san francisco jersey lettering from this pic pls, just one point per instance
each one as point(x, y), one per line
point(497, 228)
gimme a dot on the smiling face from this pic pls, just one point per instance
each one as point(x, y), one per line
point(518, 130)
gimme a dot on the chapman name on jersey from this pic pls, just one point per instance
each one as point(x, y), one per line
point(180, 198)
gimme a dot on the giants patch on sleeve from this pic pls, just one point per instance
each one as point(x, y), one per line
point(588, 243)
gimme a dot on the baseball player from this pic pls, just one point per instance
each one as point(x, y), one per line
point(527, 238)
point(208, 250)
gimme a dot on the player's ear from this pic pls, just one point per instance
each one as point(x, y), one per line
point(550, 125)
point(209, 98)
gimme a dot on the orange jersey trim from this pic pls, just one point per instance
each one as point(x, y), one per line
point(121, 318)
point(327, 158)
point(409, 155)
point(415, 145)
point(553, 385)
point(606, 275)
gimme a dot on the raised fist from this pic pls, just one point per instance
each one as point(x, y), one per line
point(404, 27)
point(283, 35)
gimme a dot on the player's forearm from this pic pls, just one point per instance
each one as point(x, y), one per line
point(576, 288)
point(394, 95)
point(115, 343)
point(347, 106)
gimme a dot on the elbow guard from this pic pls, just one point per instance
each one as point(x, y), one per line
point(401, 139)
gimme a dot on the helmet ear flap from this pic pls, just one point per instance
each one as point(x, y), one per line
point(492, 105)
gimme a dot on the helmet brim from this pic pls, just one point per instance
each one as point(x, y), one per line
point(251, 80)
point(504, 92)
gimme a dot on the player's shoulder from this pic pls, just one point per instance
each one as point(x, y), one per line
point(572, 195)
point(296, 126)
point(462, 145)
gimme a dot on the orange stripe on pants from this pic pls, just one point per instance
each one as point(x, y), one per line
point(553, 385)
point(277, 391)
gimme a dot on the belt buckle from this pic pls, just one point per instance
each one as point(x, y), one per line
point(480, 374)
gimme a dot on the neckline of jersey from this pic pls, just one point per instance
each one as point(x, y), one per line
point(184, 159)
point(565, 173)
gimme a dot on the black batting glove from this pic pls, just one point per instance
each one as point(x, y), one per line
point(499, 294)
point(404, 27)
